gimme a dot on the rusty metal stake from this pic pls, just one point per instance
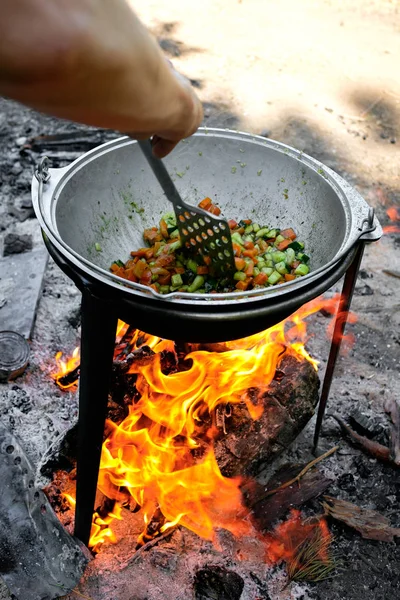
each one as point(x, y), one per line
point(349, 284)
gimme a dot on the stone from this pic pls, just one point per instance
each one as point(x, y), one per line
point(16, 244)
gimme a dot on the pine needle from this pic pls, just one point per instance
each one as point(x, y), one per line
point(312, 560)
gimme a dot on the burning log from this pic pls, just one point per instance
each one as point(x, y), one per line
point(247, 445)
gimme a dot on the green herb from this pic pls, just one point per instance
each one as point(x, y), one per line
point(180, 174)
point(259, 172)
point(200, 154)
point(97, 247)
point(233, 170)
point(242, 165)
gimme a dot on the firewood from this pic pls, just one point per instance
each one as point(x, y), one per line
point(372, 448)
point(392, 408)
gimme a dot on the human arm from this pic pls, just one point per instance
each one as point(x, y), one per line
point(92, 61)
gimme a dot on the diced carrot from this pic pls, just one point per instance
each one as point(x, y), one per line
point(181, 270)
point(204, 204)
point(250, 253)
point(121, 272)
point(289, 233)
point(155, 288)
point(242, 285)
point(289, 277)
point(250, 269)
point(142, 252)
point(239, 263)
point(232, 223)
point(114, 268)
point(207, 260)
point(249, 245)
point(164, 229)
point(260, 279)
point(283, 245)
point(202, 270)
point(247, 221)
point(237, 249)
point(214, 210)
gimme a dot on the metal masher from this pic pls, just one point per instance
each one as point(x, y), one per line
point(200, 232)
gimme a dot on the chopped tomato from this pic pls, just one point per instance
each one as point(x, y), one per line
point(250, 253)
point(283, 245)
point(242, 285)
point(250, 269)
point(247, 221)
point(152, 235)
point(207, 260)
point(204, 204)
point(214, 210)
point(236, 249)
point(240, 263)
point(260, 279)
point(165, 260)
point(140, 268)
point(145, 279)
point(202, 270)
point(289, 233)
point(164, 279)
point(249, 245)
point(232, 224)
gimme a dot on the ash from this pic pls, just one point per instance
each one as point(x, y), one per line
point(368, 373)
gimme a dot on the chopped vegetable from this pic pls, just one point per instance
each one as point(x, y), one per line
point(263, 257)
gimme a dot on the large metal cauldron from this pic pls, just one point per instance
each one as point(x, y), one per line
point(108, 197)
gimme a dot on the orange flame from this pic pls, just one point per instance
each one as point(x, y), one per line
point(394, 215)
point(284, 543)
point(161, 454)
point(65, 366)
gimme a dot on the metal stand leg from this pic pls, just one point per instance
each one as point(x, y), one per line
point(340, 324)
point(97, 346)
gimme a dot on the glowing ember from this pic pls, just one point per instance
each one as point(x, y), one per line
point(154, 455)
point(394, 215)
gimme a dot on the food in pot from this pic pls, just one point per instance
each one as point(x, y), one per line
point(264, 256)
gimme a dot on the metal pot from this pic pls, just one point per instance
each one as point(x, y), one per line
point(107, 197)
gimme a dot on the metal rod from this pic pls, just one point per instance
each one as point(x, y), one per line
point(340, 323)
point(99, 324)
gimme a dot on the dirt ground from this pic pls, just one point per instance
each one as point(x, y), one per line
point(322, 76)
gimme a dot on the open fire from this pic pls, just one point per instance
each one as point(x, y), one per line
point(160, 458)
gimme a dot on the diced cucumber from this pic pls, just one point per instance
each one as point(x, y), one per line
point(249, 229)
point(281, 267)
point(302, 269)
point(274, 277)
point(279, 239)
point(290, 256)
point(303, 257)
point(239, 276)
point(196, 285)
point(97, 247)
point(237, 238)
point(176, 280)
point(170, 219)
point(164, 289)
point(256, 227)
point(256, 271)
point(174, 246)
point(261, 232)
point(192, 265)
point(278, 256)
point(174, 234)
point(297, 246)
point(119, 263)
point(261, 264)
point(272, 233)
point(267, 270)
point(269, 263)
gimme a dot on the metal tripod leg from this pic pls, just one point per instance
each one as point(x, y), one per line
point(340, 323)
point(97, 347)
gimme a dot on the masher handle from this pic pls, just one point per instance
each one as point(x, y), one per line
point(161, 173)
